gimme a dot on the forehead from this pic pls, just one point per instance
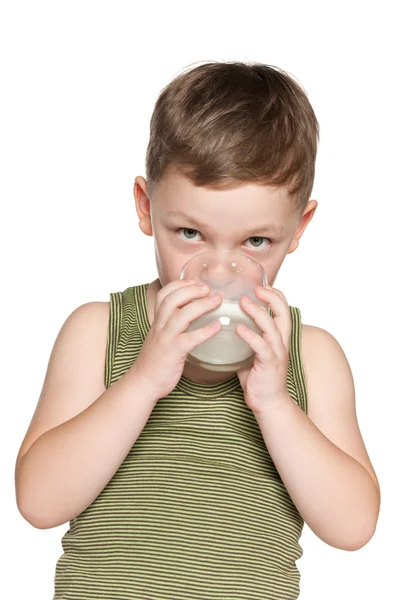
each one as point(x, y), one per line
point(207, 226)
point(246, 205)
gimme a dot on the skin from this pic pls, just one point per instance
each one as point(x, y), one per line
point(342, 509)
point(222, 211)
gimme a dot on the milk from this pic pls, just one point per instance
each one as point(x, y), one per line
point(225, 347)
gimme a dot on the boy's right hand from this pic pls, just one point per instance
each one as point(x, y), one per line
point(162, 357)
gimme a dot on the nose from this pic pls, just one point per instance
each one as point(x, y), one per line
point(220, 275)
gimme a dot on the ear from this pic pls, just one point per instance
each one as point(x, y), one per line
point(306, 217)
point(142, 200)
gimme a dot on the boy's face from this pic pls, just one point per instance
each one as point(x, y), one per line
point(254, 219)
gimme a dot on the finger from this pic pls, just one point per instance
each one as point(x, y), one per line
point(191, 311)
point(269, 287)
point(169, 287)
point(192, 339)
point(259, 345)
point(265, 322)
point(279, 306)
point(177, 298)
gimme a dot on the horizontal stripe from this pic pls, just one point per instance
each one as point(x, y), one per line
point(197, 509)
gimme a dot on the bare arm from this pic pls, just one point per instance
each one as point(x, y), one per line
point(67, 467)
point(321, 457)
point(80, 432)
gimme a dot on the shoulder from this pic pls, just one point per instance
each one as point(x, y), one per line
point(75, 372)
point(91, 319)
point(319, 348)
point(96, 309)
point(331, 393)
point(328, 375)
point(93, 316)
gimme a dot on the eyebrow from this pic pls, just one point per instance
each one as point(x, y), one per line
point(276, 228)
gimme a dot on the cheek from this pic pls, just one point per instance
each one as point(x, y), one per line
point(169, 264)
point(168, 256)
point(271, 268)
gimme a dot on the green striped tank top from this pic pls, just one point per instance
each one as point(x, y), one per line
point(197, 510)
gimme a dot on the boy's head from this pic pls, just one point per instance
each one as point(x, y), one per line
point(232, 148)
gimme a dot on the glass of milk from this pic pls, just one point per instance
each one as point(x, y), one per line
point(232, 274)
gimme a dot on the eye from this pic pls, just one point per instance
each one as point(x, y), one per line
point(193, 232)
point(259, 240)
point(186, 229)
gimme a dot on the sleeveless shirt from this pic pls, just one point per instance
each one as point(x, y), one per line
point(197, 509)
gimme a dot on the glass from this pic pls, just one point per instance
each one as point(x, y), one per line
point(232, 274)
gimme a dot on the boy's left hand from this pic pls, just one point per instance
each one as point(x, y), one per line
point(264, 383)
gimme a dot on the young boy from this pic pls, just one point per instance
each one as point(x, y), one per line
point(180, 482)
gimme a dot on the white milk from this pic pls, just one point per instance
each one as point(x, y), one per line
point(225, 347)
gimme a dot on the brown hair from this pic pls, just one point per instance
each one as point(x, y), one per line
point(226, 123)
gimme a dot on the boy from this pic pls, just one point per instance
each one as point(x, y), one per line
point(180, 482)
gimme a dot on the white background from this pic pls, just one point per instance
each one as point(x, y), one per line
point(79, 82)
